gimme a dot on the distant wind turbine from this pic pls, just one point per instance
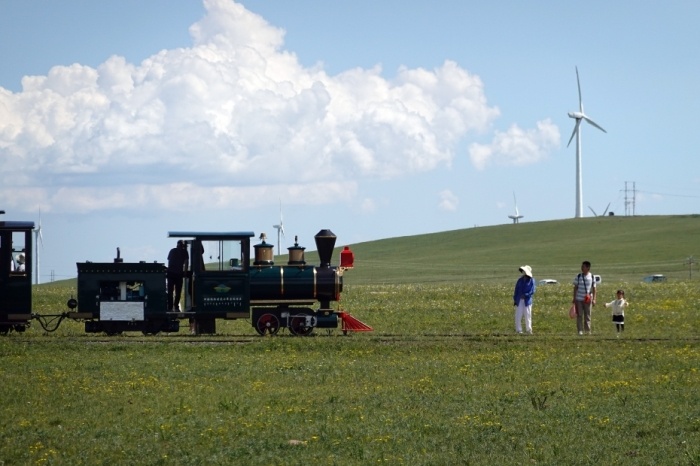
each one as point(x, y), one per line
point(516, 216)
point(280, 230)
point(578, 116)
point(38, 244)
point(605, 212)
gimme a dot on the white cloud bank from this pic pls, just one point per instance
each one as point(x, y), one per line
point(516, 146)
point(236, 116)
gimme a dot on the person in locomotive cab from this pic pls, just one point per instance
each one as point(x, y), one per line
point(20, 263)
point(177, 266)
point(198, 248)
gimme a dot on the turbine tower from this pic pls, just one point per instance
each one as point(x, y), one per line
point(516, 216)
point(578, 116)
point(280, 230)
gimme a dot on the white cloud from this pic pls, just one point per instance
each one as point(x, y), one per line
point(235, 113)
point(517, 146)
point(183, 196)
point(368, 205)
point(448, 201)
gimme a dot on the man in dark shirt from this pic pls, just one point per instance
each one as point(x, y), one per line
point(177, 266)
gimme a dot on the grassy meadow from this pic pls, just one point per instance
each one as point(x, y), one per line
point(442, 379)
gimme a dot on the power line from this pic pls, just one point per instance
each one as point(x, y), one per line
point(670, 195)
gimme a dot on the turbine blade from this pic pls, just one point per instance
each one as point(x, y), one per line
point(594, 214)
point(606, 209)
point(515, 203)
point(580, 100)
point(594, 123)
point(38, 230)
point(578, 122)
point(281, 229)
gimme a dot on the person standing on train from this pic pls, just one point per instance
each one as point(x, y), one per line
point(522, 299)
point(177, 266)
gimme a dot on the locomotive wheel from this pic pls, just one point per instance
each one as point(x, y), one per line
point(297, 325)
point(267, 323)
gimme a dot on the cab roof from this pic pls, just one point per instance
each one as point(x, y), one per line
point(16, 225)
point(211, 236)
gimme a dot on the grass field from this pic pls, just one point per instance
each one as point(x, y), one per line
point(441, 380)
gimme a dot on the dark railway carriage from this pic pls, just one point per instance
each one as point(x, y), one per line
point(16, 261)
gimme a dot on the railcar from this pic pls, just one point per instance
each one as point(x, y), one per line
point(16, 262)
point(115, 297)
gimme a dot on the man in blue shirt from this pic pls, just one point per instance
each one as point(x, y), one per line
point(522, 299)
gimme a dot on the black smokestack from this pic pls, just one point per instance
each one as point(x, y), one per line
point(325, 242)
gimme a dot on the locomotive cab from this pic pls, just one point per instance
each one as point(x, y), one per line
point(216, 285)
point(15, 275)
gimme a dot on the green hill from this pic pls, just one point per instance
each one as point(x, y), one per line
point(619, 248)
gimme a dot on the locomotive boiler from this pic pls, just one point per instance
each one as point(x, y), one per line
point(282, 295)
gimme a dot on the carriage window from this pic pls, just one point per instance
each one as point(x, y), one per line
point(122, 291)
point(19, 255)
point(224, 255)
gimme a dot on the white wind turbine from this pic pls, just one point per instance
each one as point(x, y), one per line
point(280, 230)
point(516, 216)
point(38, 244)
point(578, 116)
point(604, 212)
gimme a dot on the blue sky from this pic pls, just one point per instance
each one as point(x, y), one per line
point(121, 121)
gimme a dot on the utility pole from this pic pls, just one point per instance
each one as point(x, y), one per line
point(689, 261)
point(631, 200)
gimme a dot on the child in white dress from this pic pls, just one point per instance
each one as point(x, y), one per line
point(618, 310)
